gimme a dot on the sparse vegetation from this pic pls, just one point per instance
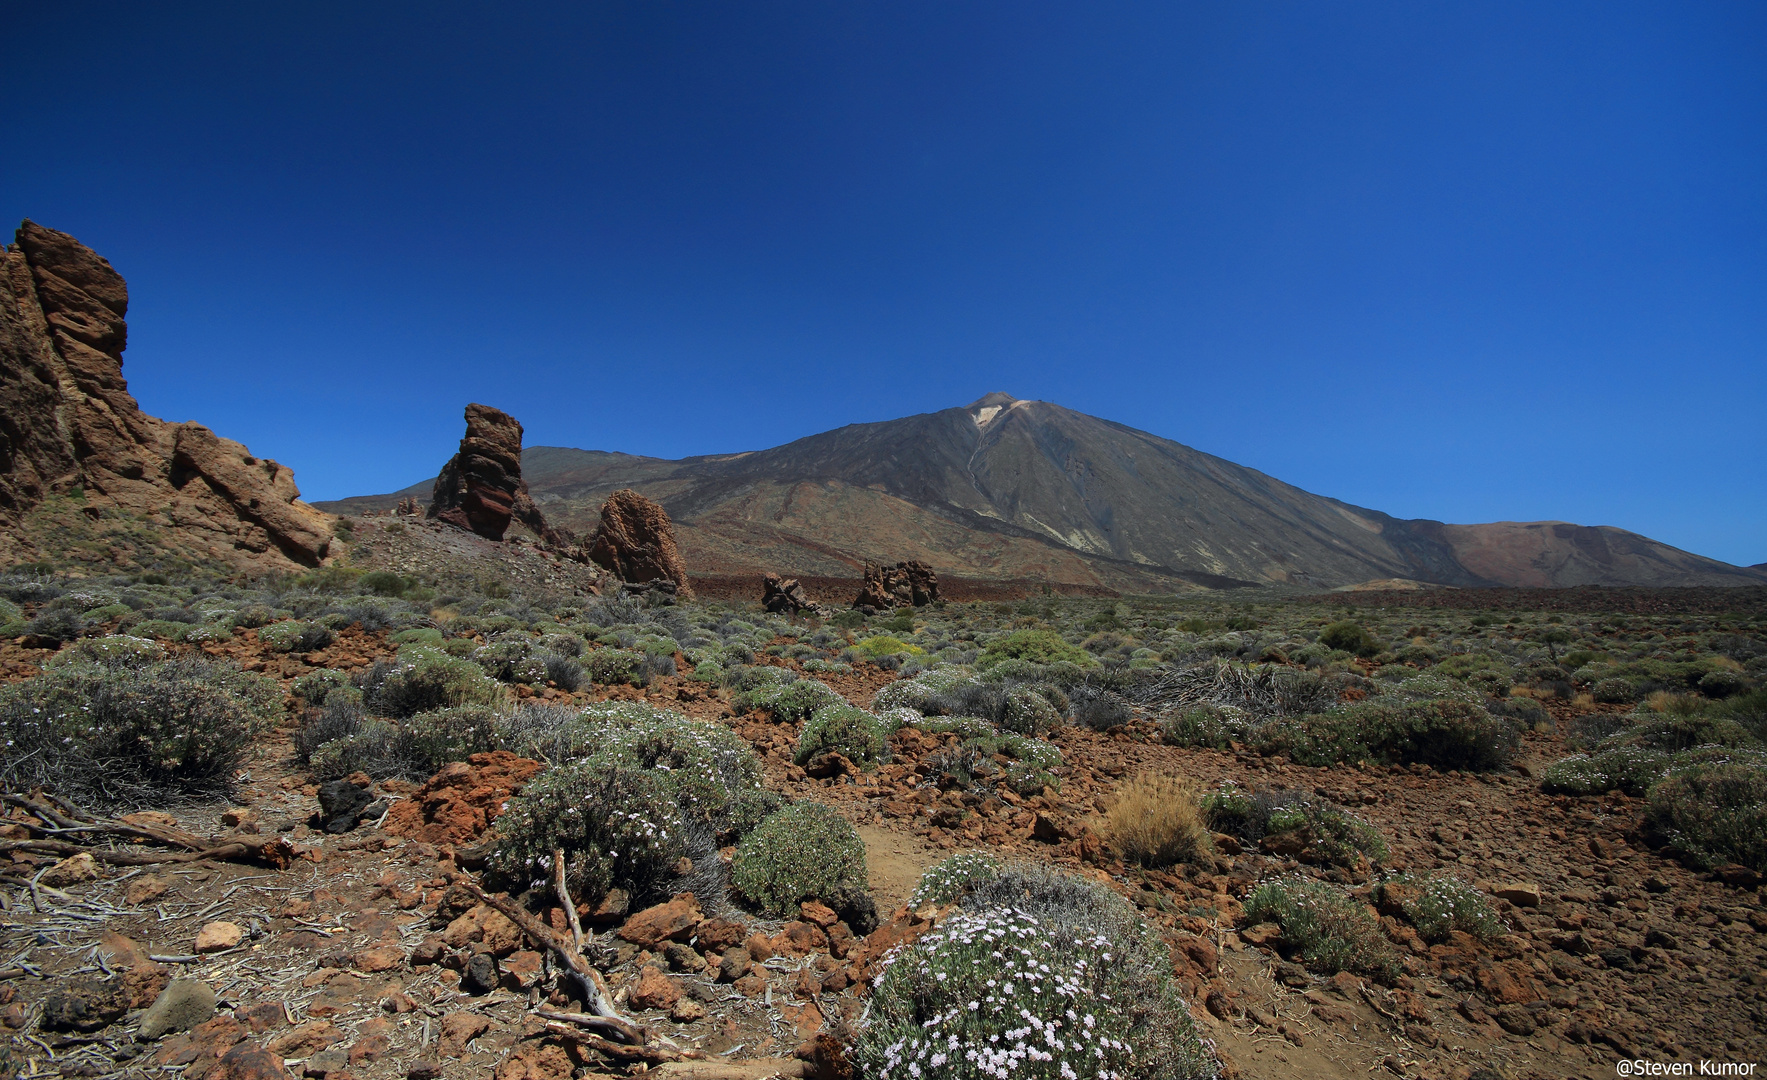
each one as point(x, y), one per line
point(1322, 927)
point(1156, 820)
point(805, 851)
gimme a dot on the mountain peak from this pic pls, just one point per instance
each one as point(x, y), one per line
point(996, 400)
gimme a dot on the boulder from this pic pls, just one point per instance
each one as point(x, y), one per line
point(84, 1005)
point(783, 596)
point(182, 1005)
point(476, 489)
point(906, 584)
point(636, 542)
point(72, 428)
point(341, 805)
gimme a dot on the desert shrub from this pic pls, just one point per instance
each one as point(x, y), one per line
point(792, 702)
point(805, 851)
point(12, 619)
point(1155, 820)
point(1205, 724)
point(1066, 981)
point(418, 635)
point(1443, 734)
point(618, 826)
point(1614, 691)
point(1483, 670)
point(886, 645)
point(315, 687)
point(421, 678)
point(1349, 637)
point(295, 636)
point(382, 583)
point(1037, 646)
point(372, 748)
point(1684, 731)
point(609, 666)
point(1632, 769)
point(61, 624)
point(339, 718)
point(1722, 683)
point(164, 629)
point(1322, 927)
point(562, 671)
point(842, 729)
point(108, 651)
point(1437, 906)
point(1098, 709)
point(124, 732)
point(920, 692)
point(1713, 808)
point(947, 881)
point(1026, 712)
point(431, 739)
point(1311, 829)
point(828, 667)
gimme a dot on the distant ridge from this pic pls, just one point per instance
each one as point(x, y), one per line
point(1007, 488)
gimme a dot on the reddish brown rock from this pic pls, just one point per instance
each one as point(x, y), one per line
point(906, 584)
point(458, 804)
point(249, 1062)
point(674, 920)
point(71, 425)
point(636, 542)
point(654, 990)
point(783, 596)
point(476, 489)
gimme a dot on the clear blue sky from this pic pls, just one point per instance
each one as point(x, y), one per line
point(1462, 261)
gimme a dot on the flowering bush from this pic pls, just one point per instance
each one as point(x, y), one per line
point(805, 851)
point(1437, 906)
point(1712, 806)
point(791, 702)
point(295, 636)
point(618, 826)
point(1322, 926)
point(1038, 975)
point(421, 678)
point(949, 880)
point(610, 666)
point(1632, 769)
point(845, 730)
point(920, 692)
point(316, 687)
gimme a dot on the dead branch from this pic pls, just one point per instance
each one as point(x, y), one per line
point(76, 820)
point(276, 854)
point(650, 1055)
point(564, 897)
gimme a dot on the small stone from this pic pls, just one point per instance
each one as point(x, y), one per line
point(84, 1005)
point(481, 974)
point(306, 1040)
point(382, 958)
point(73, 870)
point(145, 890)
point(734, 966)
point(324, 1063)
point(683, 958)
point(1261, 934)
point(674, 920)
point(182, 1005)
point(760, 949)
point(654, 990)
point(686, 1011)
point(248, 1062)
point(1521, 894)
point(218, 936)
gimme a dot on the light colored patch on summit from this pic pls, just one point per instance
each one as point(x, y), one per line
point(982, 416)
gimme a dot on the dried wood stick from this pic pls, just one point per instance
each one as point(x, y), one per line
point(564, 897)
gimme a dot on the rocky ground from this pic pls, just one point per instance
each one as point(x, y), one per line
point(367, 956)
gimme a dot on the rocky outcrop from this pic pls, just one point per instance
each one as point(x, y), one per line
point(783, 596)
point(477, 488)
point(636, 542)
point(906, 584)
point(68, 425)
point(481, 488)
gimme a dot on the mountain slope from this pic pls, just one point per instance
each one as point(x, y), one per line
point(1009, 488)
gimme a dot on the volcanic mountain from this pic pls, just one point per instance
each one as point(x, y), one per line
point(1011, 489)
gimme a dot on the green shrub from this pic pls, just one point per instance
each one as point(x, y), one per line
point(1027, 712)
point(845, 730)
point(1037, 646)
point(1684, 731)
point(612, 666)
point(421, 678)
point(295, 636)
point(1722, 683)
point(1325, 929)
point(921, 692)
point(619, 827)
point(429, 740)
point(107, 651)
point(1041, 975)
point(382, 583)
point(316, 687)
point(1349, 637)
point(949, 880)
point(1632, 769)
point(803, 852)
point(1443, 734)
point(791, 703)
point(1309, 829)
point(1436, 906)
point(1713, 808)
point(418, 635)
point(372, 747)
point(126, 732)
point(886, 645)
point(1614, 692)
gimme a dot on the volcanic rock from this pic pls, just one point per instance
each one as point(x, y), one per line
point(636, 541)
point(902, 585)
point(783, 596)
point(68, 425)
point(477, 488)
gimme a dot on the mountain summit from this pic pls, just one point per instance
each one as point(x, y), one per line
point(1009, 488)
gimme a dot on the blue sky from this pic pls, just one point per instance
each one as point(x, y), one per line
point(1468, 262)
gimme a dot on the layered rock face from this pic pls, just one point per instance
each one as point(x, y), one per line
point(636, 541)
point(67, 422)
point(481, 488)
point(902, 585)
point(783, 596)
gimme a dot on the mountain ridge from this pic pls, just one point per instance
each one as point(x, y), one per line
point(1005, 487)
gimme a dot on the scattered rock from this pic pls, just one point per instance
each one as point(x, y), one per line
point(1521, 894)
point(654, 990)
point(686, 1011)
point(783, 596)
point(341, 805)
point(459, 803)
point(218, 936)
point(145, 890)
point(307, 1039)
point(481, 974)
point(248, 1062)
point(674, 920)
point(182, 1005)
point(84, 1005)
point(73, 870)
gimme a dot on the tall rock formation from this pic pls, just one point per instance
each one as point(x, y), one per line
point(906, 584)
point(68, 424)
point(636, 541)
point(481, 488)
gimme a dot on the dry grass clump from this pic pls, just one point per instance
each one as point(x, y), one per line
point(1156, 820)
